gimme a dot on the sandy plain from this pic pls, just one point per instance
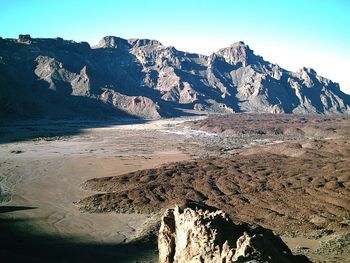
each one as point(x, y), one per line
point(41, 178)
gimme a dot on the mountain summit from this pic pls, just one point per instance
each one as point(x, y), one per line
point(142, 78)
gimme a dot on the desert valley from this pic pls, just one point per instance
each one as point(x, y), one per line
point(131, 151)
point(99, 193)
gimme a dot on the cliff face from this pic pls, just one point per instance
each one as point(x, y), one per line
point(207, 235)
point(143, 78)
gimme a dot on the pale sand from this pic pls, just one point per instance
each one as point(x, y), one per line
point(47, 175)
point(302, 242)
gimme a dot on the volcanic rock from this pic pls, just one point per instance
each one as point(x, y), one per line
point(204, 234)
point(138, 106)
point(42, 77)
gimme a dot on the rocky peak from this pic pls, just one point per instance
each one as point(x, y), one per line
point(113, 42)
point(236, 53)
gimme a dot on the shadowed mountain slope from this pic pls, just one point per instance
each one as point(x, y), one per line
point(141, 78)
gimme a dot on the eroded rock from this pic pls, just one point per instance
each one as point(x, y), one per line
point(138, 106)
point(204, 234)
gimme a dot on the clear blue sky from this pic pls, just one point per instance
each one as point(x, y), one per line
point(296, 33)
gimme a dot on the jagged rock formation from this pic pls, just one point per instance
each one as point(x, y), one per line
point(143, 78)
point(203, 234)
point(134, 105)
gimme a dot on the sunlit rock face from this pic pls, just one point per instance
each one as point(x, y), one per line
point(203, 234)
point(61, 78)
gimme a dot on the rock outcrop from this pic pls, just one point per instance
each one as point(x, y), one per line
point(134, 105)
point(55, 77)
point(203, 234)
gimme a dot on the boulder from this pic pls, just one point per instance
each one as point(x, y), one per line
point(199, 233)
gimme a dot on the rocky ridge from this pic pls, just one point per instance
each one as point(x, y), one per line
point(145, 79)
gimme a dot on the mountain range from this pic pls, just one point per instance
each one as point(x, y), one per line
point(57, 78)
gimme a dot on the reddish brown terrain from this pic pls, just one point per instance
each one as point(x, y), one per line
point(281, 192)
point(287, 173)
